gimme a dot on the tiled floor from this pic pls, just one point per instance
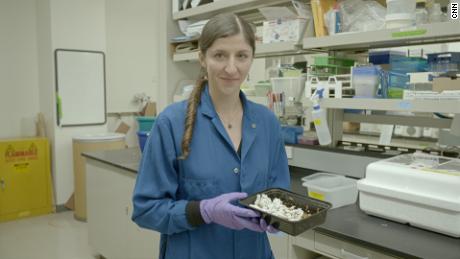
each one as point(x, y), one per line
point(54, 236)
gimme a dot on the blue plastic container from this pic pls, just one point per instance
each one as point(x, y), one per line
point(384, 57)
point(290, 133)
point(444, 62)
point(393, 84)
point(145, 123)
point(142, 137)
point(409, 65)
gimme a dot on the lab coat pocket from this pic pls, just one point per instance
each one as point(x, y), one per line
point(198, 189)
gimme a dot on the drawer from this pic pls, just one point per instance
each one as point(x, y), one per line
point(342, 249)
point(305, 240)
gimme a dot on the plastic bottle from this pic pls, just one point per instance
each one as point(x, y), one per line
point(421, 14)
point(273, 70)
point(435, 14)
point(320, 122)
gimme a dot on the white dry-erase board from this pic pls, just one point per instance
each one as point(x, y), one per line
point(80, 87)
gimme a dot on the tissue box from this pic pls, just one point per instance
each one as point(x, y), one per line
point(282, 30)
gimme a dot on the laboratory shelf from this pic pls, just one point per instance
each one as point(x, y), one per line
point(277, 49)
point(262, 50)
point(190, 56)
point(208, 10)
point(441, 106)
point(418, 35)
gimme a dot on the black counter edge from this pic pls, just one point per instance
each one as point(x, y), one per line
point(109, 163)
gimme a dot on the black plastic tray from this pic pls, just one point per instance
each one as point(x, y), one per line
point(294, 228)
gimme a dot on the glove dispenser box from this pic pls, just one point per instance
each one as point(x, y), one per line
point(422, 190)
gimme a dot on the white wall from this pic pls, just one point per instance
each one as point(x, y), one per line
point(132, 52)
point(132, 29)
point(19, 103)
point(74, 25)
point(32, 29)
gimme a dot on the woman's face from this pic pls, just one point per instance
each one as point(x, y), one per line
point(227, 63)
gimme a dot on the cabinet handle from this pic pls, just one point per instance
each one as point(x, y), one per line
point(2, 184)
point(348, 255)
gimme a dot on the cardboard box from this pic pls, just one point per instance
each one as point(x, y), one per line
point(319, 8)
point(445, 83)
point(150, 109)
point(282, 30)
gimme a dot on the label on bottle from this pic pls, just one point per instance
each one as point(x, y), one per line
point(317, 122)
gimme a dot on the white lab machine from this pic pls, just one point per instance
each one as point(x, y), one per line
point(420, 189)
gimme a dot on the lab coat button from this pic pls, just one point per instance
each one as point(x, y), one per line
point(253, 125)
point(236, 170)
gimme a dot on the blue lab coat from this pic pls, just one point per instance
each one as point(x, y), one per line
point(165, 184)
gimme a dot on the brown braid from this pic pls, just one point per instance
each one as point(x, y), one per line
point(193, 102)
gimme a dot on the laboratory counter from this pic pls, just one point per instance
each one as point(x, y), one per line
point(347, 223)
point(127, 159)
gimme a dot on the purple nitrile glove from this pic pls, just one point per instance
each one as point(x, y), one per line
point(220, 211)
point(269, 228)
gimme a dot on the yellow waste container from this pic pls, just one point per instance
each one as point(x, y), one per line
point(86, 143)
point(25, 178)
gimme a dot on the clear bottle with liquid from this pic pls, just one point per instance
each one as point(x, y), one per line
point(320, 122)
point(273, 70)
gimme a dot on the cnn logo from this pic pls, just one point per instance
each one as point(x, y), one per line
point(454, 11)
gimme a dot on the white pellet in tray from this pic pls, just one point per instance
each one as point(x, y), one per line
point(277, 208)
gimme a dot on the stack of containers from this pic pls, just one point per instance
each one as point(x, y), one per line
point(444, 62)
point(331, 65)
point(400, 13)
point(398, 78)
point(145, 126)
point(384, 58)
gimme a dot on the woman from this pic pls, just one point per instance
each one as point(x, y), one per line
point(192, 174)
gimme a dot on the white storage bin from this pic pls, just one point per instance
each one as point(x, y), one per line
point(422, 190)
point(400, 6)
point(399, 20)
point(284, 30)
point(365, 80)
point(336, 189)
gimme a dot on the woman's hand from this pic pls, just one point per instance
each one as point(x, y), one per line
point(220, 211)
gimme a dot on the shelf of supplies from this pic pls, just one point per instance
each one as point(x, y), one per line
point(421, 34)
point(277, 49)
point(190, 56)
point(441, 106)
point(208, 10)
point(262, 50)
